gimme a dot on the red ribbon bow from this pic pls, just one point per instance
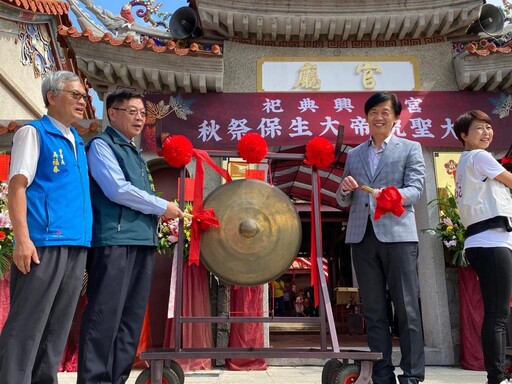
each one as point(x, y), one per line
point(389, 200)
point(205, 219)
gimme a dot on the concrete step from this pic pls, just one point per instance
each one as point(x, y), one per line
point(294, 328)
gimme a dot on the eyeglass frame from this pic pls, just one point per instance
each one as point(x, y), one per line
point(74, 94)
point(131, 111)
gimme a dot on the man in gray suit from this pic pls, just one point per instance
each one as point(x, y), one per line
point(385, 251)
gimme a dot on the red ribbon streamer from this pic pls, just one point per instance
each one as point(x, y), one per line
point(195, 239)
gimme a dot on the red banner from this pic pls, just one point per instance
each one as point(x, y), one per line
point(218, 121)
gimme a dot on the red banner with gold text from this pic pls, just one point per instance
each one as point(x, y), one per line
point(218, 121)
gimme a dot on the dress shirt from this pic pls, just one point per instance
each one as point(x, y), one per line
point(105, 169)
point(25, 149)
point(375, 154)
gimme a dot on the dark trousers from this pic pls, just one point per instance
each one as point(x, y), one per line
point(42, 305)
point(394, 265)
point(117, 293)
point(279, 306)
point(494, 269)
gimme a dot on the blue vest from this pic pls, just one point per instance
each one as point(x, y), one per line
point(59, 208)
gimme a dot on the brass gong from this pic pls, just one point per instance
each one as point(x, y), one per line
point(258, 237)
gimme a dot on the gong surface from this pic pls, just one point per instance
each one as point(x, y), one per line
point(259, 233)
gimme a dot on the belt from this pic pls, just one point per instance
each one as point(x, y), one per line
point(492, 223)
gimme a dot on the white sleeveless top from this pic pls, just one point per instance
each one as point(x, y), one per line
point(479, 197)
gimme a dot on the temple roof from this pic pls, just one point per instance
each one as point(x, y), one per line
point(484, 64)
point(107, 60)
point(336, 20)
point(325, 23)
point(51, 7)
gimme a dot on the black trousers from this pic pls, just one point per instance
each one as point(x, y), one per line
point(494, 269)
point(42, 306)
point(391, 265)
point(117, 293)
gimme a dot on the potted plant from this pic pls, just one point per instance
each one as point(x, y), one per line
point(449, 229)
point(451, 232)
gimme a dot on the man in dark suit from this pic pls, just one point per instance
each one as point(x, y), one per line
point(385, 251)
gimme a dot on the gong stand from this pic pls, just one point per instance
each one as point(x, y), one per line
point(159, 356)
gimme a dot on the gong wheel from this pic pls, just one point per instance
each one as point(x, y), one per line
point(330, 370)
point(168, 377)
point(174, 366)
point(347, 374)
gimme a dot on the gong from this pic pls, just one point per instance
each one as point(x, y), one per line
point(259, 233)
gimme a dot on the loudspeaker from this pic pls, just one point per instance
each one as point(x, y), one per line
point(490, 21)
point(183, 23)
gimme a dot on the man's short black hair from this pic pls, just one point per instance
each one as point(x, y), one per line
point(381, 97)
point(120, 95)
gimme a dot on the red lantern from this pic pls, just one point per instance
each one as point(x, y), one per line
point(252, 147)
point(319, 152)
point(177, 150)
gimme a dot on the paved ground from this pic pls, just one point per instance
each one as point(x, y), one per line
point(298, 375)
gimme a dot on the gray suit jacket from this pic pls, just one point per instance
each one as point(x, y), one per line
point(401, 165)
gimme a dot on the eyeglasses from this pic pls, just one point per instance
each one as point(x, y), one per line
point(131, 111)
point(75, 95)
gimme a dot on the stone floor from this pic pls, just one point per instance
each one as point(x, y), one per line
point(298, 375)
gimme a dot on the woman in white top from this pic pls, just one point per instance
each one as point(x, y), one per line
point(485, 206)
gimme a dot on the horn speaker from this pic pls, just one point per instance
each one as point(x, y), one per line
point(183, 23)
point(490, 21)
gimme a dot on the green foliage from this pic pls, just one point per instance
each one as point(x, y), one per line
point(450, 229)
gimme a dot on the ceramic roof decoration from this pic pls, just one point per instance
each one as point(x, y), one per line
point(51, 7)
point(486, 46)
point(147, 21)
point(180, 48)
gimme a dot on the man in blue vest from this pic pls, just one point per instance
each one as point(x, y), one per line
point(51, 216)
point(120, 264)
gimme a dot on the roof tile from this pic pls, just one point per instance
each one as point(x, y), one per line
point(150, 44)
point(51, 7)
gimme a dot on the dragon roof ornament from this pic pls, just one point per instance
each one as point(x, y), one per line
point(124, 23)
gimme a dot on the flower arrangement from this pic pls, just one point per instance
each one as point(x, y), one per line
point(6, 237)
point(168, 231)
point(450, 229)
